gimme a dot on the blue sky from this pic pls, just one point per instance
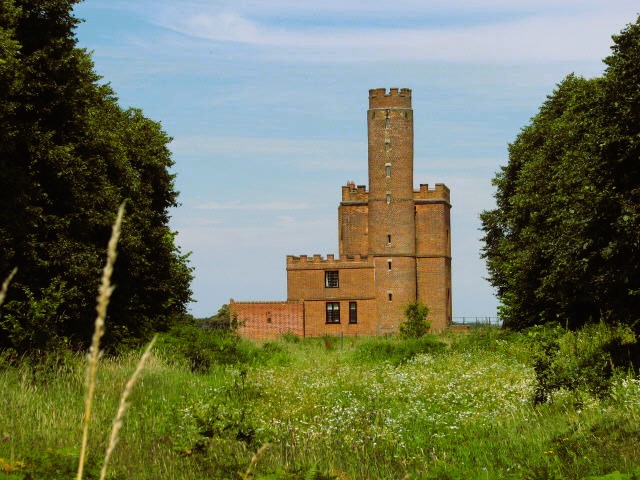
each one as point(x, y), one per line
point(266, 102)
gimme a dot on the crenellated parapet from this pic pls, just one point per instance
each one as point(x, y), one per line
point(439, 193)
point(264, 302)
point(395, 98)
point(353, 193)
point(321, 263)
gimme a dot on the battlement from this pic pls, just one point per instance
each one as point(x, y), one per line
point(439, 192)
point(264, 302)
point(396, 98)
point(318, 261)
point(353, 193)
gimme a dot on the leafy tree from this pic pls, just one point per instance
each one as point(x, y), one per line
point(563, 243)
point(69, 155)
point(416, 324)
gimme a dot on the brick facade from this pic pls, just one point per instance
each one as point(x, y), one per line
point(394, 246)
point(268, 320)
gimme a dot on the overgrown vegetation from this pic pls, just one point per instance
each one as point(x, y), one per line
point(463, 406)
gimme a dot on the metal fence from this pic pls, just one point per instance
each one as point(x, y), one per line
point(477, 321)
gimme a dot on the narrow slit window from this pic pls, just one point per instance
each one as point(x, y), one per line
point(387, 122)
point(387, 145)
point(389, 264)
point(388, 198)
point(388, 239)
point(390, 296)
point(388, 169)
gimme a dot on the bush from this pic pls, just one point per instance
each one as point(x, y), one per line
point(202, 347)
point(580, 360)
point(416, 324)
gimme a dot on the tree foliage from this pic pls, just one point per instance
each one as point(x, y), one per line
point(563, 243)
point(416, 324)
point(69, 155)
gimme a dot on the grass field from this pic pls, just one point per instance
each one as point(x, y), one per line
point(322, 408)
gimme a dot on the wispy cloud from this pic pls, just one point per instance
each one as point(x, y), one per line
point(581, 36)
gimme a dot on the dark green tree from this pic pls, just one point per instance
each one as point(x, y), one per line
point(562, 243)
point(69, 155)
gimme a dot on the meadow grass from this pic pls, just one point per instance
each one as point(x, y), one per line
point(464, 411)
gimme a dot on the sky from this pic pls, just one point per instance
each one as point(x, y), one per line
point(266, 102)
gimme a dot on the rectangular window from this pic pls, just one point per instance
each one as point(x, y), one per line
point(331, 279)
point(388, 239)
point(333, 312)
point(388, 169)
point(353, 312)
point(389, 264)
point(388, 198)
point(390, 297)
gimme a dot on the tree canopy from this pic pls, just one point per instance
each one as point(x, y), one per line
point(69, 155)
point(563, 243)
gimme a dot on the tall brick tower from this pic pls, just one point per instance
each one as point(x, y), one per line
point(394, 247)
point(391, 223)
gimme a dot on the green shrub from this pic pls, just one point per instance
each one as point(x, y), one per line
point(416, 324)
point(202, 348)
point(582, 360)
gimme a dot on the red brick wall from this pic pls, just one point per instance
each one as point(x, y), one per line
point(433, 237)
point(434, 289)
point(352, 229)
point(315, 319)
point(268, 320)
point(400, 282)
point(306, 279)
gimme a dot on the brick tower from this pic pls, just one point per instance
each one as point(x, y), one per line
point(391, 224)
point(394, 247)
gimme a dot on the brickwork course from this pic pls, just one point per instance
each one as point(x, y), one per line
point(394, 247)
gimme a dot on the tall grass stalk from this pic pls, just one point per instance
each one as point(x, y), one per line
point(104, 295)
point(5, 285)
point(122, 408)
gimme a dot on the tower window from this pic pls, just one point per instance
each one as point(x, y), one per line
point(388, 198)
point(390, 296)
point(388, 239)
point(353, 312)
point(387, 144)
point(387, 123)
point(331, 279)
point(333, 312)
point(389, 264)
point(388, 169)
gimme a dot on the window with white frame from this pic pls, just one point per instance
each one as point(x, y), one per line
point(333, 312)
